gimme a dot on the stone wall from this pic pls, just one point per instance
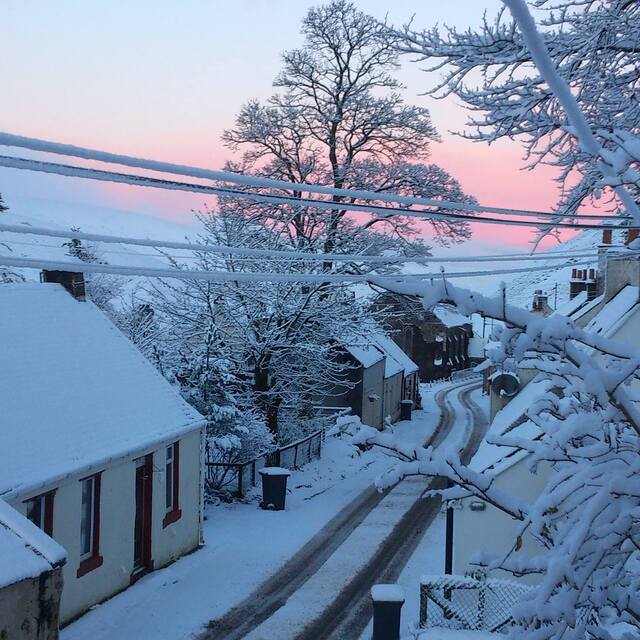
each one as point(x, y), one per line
point(29, 609)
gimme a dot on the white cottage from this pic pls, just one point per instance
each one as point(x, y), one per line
point(400, 376)
point(97, 449)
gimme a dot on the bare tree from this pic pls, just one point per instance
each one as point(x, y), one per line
point(340, 121)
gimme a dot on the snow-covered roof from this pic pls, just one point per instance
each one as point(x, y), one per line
point(609, 319)
point(586, 308)
point(572, 305)
point(510, 420)
point(25, 550)
point(449, 315)
point(396, 359)
point(75, 393)
point(366, 354)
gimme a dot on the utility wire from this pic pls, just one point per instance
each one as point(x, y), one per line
point(290, 255)
point(124, 178)
point(260, 276)
point(35, 144)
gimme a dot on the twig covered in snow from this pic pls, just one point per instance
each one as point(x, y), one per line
point(586, 521)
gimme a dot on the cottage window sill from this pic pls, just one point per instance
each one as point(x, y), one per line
point(171, 517)
point(89, 565)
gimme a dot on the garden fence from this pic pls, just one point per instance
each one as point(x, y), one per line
point(239, 477)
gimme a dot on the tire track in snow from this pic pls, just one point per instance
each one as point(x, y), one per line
point(274, 592)
point(349, 614)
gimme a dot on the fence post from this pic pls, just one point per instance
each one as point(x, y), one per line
point(240, 487)
point(387, 603)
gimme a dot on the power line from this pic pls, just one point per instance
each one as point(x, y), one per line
point(260, 276)
point(124, 178)
point(286, 254)
point(35, 144)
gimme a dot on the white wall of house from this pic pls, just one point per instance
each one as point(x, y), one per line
point(393, 395)
point(117, 513)
point(492, 530)
point(373, 394)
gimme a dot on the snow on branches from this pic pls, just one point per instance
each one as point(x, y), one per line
point(586, 521)
point(569, 91)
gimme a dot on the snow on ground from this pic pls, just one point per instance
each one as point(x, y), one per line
point(482, 400)
point(428, 558)
point(243, 546)
point(310, 601)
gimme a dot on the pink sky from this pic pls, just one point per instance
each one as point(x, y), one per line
point(166, 83)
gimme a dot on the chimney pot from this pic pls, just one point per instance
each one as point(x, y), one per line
point(632, 234)
point(72, 281)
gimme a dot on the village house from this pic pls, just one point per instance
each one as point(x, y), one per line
point(98, 450)
point(380, 375)
point(436, 340)
point(401, 372)
point(606, 302)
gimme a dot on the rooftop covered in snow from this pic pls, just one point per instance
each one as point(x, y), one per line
point(25, 550)
point(450, 316)
point(510, 421)
point(75, 393)
point(396, 359)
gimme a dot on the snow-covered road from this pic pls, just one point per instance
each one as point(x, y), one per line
point(333, 601)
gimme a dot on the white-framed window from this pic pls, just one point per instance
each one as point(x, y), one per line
point(169, 477)
point(87, 517)
point(172, 484)
point(36, 511)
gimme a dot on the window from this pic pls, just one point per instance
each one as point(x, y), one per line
point(90, 525)
point(40, 512)
point(172, 484)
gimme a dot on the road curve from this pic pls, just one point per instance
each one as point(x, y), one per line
point(274, 592)
point(349, 614)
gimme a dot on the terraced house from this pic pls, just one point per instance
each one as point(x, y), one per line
point(98, 450)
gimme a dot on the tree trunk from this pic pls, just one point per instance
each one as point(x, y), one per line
point(269, 405)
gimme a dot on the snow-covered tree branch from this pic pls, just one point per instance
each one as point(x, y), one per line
point(586, 521)
point(569, 92)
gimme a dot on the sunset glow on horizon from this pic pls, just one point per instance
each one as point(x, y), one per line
point(190, 76)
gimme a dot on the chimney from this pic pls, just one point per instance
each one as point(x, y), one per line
point(632, 234)
point(591, 284)
point(541, 302)
point(72, 281)
point(577, 283)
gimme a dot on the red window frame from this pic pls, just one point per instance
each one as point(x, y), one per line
point(172, 470)
point(95, 559)
point(47, 508)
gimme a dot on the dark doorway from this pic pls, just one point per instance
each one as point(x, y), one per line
point(142, 528)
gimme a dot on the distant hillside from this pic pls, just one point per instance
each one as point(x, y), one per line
point(520, 287)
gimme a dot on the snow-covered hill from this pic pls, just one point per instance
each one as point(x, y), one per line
point(107, 221)
point(521, 287)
